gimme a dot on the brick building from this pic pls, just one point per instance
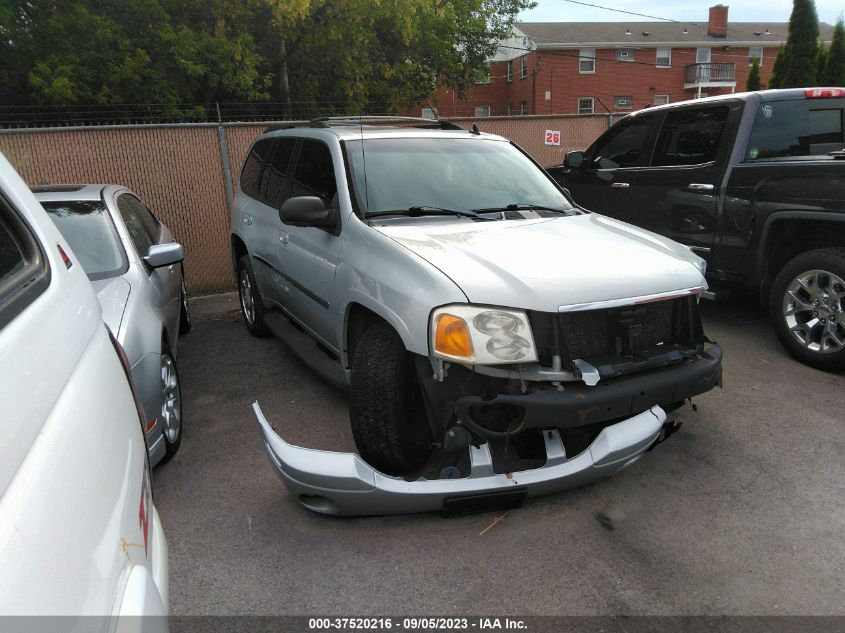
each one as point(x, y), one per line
point(595, 67)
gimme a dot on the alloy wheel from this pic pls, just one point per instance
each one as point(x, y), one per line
point(247, 301)
point(171, 406)
point(814, 310)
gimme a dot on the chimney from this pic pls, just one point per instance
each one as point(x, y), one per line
point(717, 25)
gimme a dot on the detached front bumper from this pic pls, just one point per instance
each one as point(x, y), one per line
point(343, 484)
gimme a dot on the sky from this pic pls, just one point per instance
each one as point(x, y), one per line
point(681, 10)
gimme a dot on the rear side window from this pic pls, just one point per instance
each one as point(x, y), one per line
point(24, 273)
point(314, 174)
point(623, 146)
point(254, 165)
point(277, 171)
point(792, 128)
point(690, 136)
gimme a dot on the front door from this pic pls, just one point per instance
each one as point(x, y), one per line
point(702, 56)
point(308, 255)
point(604, 182)
point(678, 193)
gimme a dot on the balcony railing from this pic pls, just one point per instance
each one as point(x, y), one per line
point(709, 73)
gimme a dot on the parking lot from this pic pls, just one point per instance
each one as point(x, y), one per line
point(740, 512)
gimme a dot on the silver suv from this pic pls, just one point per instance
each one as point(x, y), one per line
point(498, 341)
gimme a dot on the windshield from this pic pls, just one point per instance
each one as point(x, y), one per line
point(90, 232)
point(448, 173)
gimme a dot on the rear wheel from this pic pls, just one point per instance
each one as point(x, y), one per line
point(808, 308)
point(386, 408)
point(171, 404)
point(252, 307)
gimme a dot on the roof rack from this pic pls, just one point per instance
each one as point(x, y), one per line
point(284, 126)
point(328, 121)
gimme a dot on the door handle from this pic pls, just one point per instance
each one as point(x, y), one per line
point(620, 185)
point(697, 186)
point(283, 238)
point(247, 219)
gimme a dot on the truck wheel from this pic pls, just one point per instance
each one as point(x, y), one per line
point(252, 307)
point(807, 305)
point(386, 408)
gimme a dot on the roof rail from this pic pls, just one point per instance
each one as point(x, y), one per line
point(328, 121)
point(284, 126)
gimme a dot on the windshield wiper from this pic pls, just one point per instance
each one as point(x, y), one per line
point(522, 206)
point(421, 210)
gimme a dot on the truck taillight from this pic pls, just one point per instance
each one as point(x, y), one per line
point(824, 93)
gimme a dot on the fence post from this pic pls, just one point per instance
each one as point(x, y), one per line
point(227, 170)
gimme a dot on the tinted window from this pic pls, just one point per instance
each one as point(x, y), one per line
point(622, 146)
point(90, 232)
point(691, 136)
point(11, 255)
point(253, 165)
point(791, 128)
point(148, 219)
point(277, 170)
point(314, 174)
point(141, 238)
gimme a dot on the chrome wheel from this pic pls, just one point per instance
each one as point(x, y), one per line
point(247, 301)
point(171, 406)
point(814, 310)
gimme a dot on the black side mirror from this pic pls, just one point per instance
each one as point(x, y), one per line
point(307, 211)
point(573, 160)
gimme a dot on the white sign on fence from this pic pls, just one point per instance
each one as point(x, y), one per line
point(552, 137)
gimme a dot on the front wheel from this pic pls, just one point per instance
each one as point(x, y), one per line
point(184, 309)
point(171, 404)
point(808, 308)
point(386, 408)
point(252, 307)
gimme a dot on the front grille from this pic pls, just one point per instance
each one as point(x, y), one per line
point(616, 334)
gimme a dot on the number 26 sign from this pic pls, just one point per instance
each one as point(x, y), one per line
point(552, 137)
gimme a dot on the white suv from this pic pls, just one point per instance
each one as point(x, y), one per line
point(79, 534)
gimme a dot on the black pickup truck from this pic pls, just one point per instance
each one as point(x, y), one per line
point(755, 184)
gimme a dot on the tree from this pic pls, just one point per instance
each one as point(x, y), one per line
point(821, 62)
point(753, 81)
point(798, 66)
point(777, 69)
point(834, 69)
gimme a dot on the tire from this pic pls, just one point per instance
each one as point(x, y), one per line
point(252, 306)
point(171, 404)
point(185, 324)
point(386, 409)
point(807, 305)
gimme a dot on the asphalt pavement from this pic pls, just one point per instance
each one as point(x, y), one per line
point(740, 512)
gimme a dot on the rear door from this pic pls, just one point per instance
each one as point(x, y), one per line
point(604, 182)
point(677, 195)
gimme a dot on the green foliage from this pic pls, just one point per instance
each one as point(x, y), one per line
point(313, 56)
point(833, 73)
point(753, 81)
point(798, 62)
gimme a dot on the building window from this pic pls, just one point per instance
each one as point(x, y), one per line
point(755, 52)
point(587, 60)
point(428, 113)
point(586, 105)
point(482, 110)
point(623, 103)
point(523, 107)
point(664, 58)
point(510, 109)
point(510, 71)
point(624, 54)
point(523, 67)
point(661, 99)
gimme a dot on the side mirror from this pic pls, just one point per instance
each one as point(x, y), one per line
point(573, 160)
point(164, 254)
point(307, 211)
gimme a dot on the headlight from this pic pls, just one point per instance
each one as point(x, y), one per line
point(487, 336)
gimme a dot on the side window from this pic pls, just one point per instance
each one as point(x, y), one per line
point(623, 146)
point(141, 239)
point(690, 136)
point(24, 273)
point(791, 128)
point(314, 174)
point(253, 166)
point(151, 224)
point(277, 170)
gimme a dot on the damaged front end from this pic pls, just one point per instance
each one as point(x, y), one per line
point(592, 403)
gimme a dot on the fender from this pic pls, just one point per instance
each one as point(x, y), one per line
point(777, 216)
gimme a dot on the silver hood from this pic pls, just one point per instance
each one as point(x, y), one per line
point(113, 294)
point(547, 263)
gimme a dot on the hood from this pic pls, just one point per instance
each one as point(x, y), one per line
point(551, 262)
point(113, 294)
